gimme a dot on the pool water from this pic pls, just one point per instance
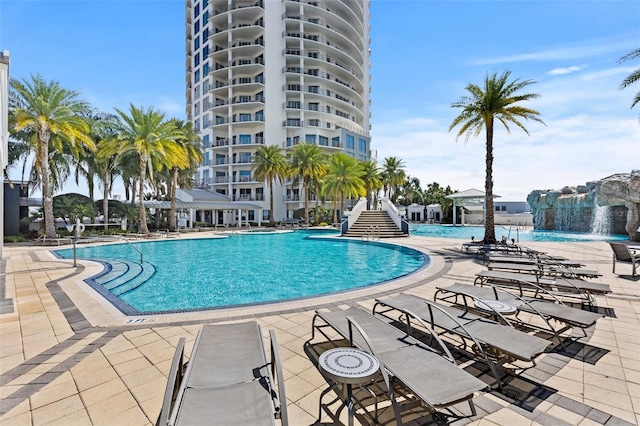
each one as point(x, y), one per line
point(466, 232)
point(195, 274)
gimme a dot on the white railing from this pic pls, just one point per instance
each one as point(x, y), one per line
point(393, 212)
point(360, 206)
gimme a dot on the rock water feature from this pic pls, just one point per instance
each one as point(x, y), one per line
point(607, 206)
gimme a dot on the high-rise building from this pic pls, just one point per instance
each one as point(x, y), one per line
point(275, 72)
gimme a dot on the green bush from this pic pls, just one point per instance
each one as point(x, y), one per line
point(14, 239)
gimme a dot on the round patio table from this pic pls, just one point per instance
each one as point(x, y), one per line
point(348, 366)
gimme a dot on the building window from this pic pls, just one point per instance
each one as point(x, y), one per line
point(266, 215)
point(206, 159)
point(335, 141)
point(205, 121)
point(205, 35)
point(205, 3)
point(362, 145)
point(323, 140)
point(260, 115)
point(350, 142)
point(205, 69)
point(196, 92)
point(205, 85)
point(310, 139)
point(205, 141)
point(205, 51)
point(205, 103)
point(196, 124)
point(205, 18)
point(196, 11)
point(219, 119)
point(196, 76)
point(197, 108)
point(196, 28)
point(196, 59)
point(245, 139)
point(197, 42)
point(288, 141)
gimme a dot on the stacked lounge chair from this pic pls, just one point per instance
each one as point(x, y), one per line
point(568, 289)
point(227, 380)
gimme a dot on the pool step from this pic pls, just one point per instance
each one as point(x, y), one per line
point(125, 275)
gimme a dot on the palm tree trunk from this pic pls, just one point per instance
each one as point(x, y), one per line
point(306, 205)
point(105, 199)
point(489, 227)
point(172, 210)
point(142, 214)
point(47, 199)
point(158, 214)
point(271, 218)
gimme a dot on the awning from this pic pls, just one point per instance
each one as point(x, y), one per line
point(202, 205)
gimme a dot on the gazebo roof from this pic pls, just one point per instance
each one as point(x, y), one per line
point(202, 205)
point(201, 199)
point(469, 194)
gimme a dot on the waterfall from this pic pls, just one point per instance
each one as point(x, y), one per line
point(601, 220)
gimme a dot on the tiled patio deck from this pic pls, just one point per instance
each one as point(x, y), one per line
point(68, 357)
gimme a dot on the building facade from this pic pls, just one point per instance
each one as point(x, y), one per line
point(275, 72)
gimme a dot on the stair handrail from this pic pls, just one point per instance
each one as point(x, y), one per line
point(360, 206)
point(394, 214)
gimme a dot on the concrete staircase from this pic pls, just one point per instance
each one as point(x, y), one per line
point(374, 223)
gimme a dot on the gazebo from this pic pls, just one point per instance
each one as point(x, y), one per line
point(469, 197)
point(201, 200)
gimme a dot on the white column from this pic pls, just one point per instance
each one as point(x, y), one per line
point(4, 133)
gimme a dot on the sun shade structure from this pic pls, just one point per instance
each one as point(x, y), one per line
point(468, 197)
point(472, 196)
point(201, 200)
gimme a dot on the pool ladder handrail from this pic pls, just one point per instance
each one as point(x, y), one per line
point(371, 233)
point(132, 246)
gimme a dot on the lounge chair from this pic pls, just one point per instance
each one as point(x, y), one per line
point(493, 342)
point(531, 261)
point(227, 378)
point(543, 269)
point(573, 290)
point(549, 311)
point(622, 254)
point(431, 378)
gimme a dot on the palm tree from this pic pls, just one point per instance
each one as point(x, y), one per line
point(496, 101)
point(634, 77)
point(146, 134)
point(393, 175)
point(53, 115)
point(270, 164)
point(372, 180)
point(308, 162)
point(192, 155)
point(343, 178)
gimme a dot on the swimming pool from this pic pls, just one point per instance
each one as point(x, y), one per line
point(467, 231)
point(243, 269)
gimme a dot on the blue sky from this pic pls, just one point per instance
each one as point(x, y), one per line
point(424, 53)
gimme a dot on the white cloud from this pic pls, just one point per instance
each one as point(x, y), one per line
point(562, 53)
point(566, 70)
